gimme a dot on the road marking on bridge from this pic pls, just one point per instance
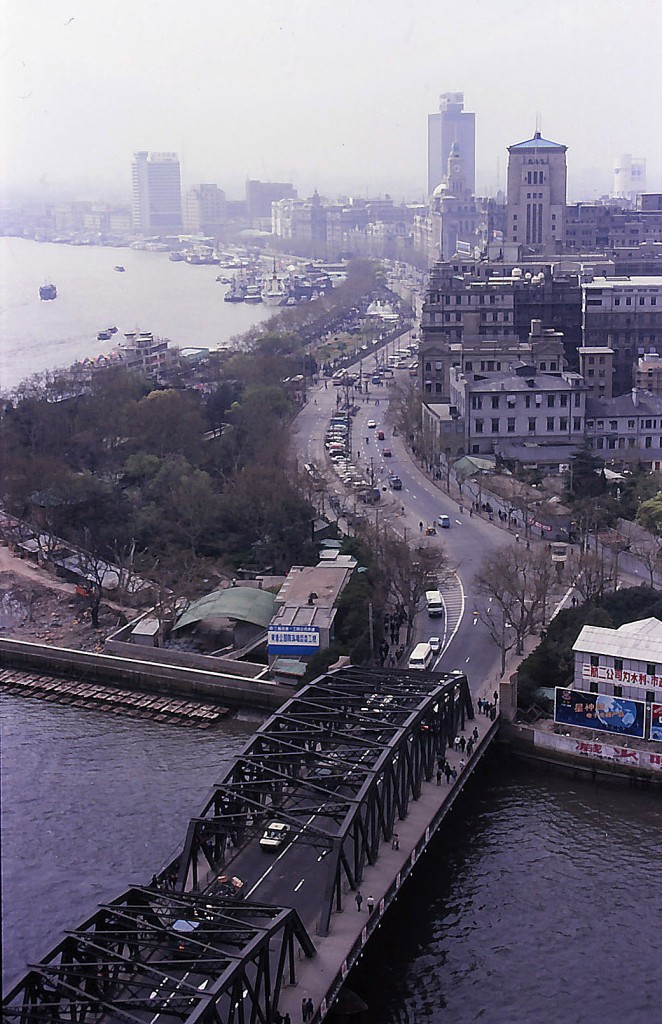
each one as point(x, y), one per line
point(299, 884)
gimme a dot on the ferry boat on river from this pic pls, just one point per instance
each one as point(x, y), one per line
point(48, 291)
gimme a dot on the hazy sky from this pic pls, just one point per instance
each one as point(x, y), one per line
point(332, 94)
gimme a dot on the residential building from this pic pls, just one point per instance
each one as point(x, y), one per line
point(648, 373)
point(157, 194)
point(626, 429)
point(452, 124)
point(596, 365)
point(204, 210)
point(143, 352)
point(623, 662)
point(537, 182)
point(625, 314)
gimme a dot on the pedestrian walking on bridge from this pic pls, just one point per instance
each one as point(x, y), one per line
point(371, 904)
point(359, 900)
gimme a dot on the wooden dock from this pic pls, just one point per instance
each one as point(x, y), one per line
point(106, 698)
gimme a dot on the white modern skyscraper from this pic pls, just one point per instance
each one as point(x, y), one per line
point(451, 125)
point(629, 176)
point(157, 193)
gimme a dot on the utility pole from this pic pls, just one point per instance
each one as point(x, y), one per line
point(371, 632)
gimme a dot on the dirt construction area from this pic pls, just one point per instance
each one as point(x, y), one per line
point(35, 605)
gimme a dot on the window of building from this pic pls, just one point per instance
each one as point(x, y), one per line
point(532, 425)
point(600, 442)
point(593, 686)
point(511, 424)
point(648, 442)
point(617, 302)
point(476, 401)
point(611, 444)
point(550, 423)
point(578, 399)
point(653, 301)
point(648, 424)
point(618, 691)
point(479, 426)
point(468, 365)
point(628, 302)
point(595, 660)
point(437, 388)
point(495, 426)
point(563, 423)
point(543, 366)
point(550, 401)
point(495, 401)
point(630, 424)
point(651, 669)
point(641, 302)
point(428, 367)
point(439, 365)
point(618, 664)
point(576, 423)
point(650, 696)
point(563, 401)
point(613, 424)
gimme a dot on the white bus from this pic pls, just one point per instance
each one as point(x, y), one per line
point(434, 603)
point(421, 657)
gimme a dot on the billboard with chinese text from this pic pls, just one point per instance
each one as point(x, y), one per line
point(296, 640)
point(600, 711)
point(656, 722)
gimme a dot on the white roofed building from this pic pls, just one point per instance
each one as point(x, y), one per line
point(623, 662)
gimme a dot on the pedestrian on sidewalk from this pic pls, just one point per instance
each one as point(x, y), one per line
point(470, 746)
point(304, 1010)
point(475, 734)
point(359, 900)
point(453, 774)
point(462, 764)
point(371, 904)
point(287, 1019)
point(447, 773)
point(496, 696)
point(439, 773)
point(310, 1009)
point(395, 842)
point(457, 743)
point(463, 743)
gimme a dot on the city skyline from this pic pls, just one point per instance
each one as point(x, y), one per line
point(331, 96)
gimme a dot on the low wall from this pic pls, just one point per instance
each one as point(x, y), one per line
point(182, 659)
point(591, 755)
point(140, 673)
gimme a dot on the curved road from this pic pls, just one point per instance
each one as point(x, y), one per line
point(467, 645)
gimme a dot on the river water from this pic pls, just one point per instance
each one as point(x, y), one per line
point(540, 902)
point(173, 300)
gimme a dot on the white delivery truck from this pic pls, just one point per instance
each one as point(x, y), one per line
point(421, 657)
point(434, 604)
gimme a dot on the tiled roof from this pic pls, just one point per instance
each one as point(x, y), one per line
point(623, 405)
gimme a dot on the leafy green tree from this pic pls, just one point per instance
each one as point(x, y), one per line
point(650, 515)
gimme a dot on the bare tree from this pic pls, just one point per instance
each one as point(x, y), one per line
point(589, 573)
point(647, 547)
point(514, 583)
point(411, 572)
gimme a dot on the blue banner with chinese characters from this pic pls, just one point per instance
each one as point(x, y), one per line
point(293, 640)
point(656, 722)
point(600, 711)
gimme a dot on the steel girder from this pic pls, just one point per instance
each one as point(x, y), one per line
point(127, 963)
point(350, 750)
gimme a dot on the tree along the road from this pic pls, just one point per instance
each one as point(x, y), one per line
point(514, 584)
point(410, 572)
point(589, 573)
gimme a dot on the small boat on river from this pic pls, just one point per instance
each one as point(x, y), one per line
point(48, 291)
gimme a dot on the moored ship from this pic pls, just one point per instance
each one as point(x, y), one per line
point(48, 291)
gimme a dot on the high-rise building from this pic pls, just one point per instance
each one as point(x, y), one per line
point(629, 176)
point(451, 125)
point(261, 194)
point(537, 181)
point(157, 193)
point(205, 209)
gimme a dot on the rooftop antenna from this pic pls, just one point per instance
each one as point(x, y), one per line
point(538, 122)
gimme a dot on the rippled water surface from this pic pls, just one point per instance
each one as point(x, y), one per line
point(540, 903)
point(91, 803)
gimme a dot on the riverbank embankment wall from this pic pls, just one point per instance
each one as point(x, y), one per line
point(141, 674)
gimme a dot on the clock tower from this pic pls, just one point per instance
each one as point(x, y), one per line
point(455, 177)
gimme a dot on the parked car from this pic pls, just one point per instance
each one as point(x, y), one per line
point(380, 435)
point(444, 522)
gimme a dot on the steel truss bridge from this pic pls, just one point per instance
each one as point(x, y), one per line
point(339, 764)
